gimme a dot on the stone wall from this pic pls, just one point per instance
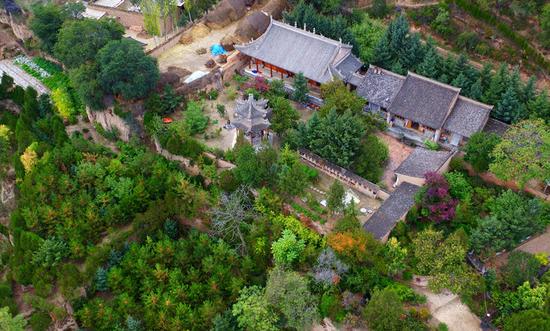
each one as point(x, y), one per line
point(109, 121)
point(212, 80)
point(125, 18)
point(167, 44)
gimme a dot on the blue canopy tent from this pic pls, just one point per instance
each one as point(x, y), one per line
point(217, 49)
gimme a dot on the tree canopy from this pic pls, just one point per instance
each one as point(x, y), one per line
point(125, 70)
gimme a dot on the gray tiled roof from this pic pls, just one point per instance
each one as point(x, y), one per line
point(380, 86)
point(468, 117)
point(251, 114)
point(421, 161)
point(390, 212)
point(296, 50)
point(424, 100)
point(495, 126)
point(349, 65)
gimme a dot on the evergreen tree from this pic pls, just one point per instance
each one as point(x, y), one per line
point(461, 82)
point(528, 92)
point(486, 75)
point(300, 88)
point(460, 66)
point(515, 82)
point(429, 67)
point(508, 109)
point(540, 107)
point(397, 67)
point(383, 56)
point(498, 85)
point(336, 193)
point(379, 8)
point(100, 280)
point(413, 53)
point(475, 92)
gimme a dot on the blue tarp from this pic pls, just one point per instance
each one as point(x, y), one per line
point(217, 49)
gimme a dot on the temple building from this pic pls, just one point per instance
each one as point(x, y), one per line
point(251, 117)
point(285, 50)
point(421, 108)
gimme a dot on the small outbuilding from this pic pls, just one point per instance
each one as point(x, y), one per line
point(420, 162)
point(252, 118)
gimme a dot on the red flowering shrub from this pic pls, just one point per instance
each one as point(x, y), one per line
point(437, 205)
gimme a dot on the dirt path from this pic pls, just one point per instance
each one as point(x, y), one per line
point(538, 244)
point(447, 308)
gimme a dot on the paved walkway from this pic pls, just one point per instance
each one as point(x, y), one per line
point(447, 308)
point(21, 78)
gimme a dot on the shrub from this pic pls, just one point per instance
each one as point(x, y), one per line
point(221, 109)
point(40, 321)
point(521, 267)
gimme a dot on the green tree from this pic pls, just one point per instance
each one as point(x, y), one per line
point(334, 137)
point(478, 150)
point(476, 90)
point(337, 96)
point(379, 8)
point(539, 107)
point(371, 158)
point(544, 19)
point(429, 66)
point(527, 320)
point(46, 22)
point(288, 293)
point(384, 311)
point(125, 70)
point(287, 249)
point(443, 259)
point(396, 256)
point(255, 168)
point(292, 178)
point(442, 22)
point(368, 32)
point(284, 116)
point(195, 119)
point(497, 85)
point(9, 323)
point(524, 152)
point(253, 312)
point(336, 195)
point(508, 109)
point(300, 88)
point(84, 80)
point(521, 267)
point(90, 36)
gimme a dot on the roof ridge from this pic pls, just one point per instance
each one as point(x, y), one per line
point(309, 33)
point(479, 103)
point(424, 78)
point(391, 73)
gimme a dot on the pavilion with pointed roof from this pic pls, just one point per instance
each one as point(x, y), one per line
point(252, 117)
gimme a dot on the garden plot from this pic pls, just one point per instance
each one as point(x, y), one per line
point(21, 78)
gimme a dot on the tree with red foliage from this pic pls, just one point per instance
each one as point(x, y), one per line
point(436, 202)
point(260, 84)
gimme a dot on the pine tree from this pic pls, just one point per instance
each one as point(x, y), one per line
point(397, 67)
point(498, 85)
point(460, 66)
point(540, 107)
point(486, 75)
point(508, 109)
point(413, 53)
point(475, 92)
point(515, 82)
point(300, 88)
point(101, 280)
point(382, 53)
point(528, 92)
point(399, 30)
point(461, 82)
point(429, 67)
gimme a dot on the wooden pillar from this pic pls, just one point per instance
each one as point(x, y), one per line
point(257, 68)
point(270, 71)
point(250, 63)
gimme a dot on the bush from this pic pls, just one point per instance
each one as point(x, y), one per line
point(467, 40)
point(40, 321)
point(213, 94)
point(521, 267)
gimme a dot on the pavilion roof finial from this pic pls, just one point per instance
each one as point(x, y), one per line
point(305, 26)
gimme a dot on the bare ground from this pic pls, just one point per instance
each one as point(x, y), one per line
point(447, 308)
point(185, 56)
point(398, 153)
